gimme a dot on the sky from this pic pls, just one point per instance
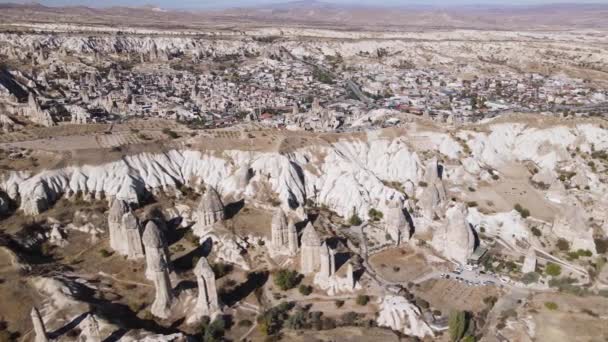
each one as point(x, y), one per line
point(202, 4)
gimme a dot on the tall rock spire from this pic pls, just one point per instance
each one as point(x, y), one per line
point(279, 229)
point(132, 233)
point(311, 245)
point(156, 250)
point(207, 303)
point(210, 209)
point(157, 269)
point(396, 223)
point(292, 238)
point(117, 236)
point(39, 329)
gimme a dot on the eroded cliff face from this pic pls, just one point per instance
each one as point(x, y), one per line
point(349, 173)
point(343, 176)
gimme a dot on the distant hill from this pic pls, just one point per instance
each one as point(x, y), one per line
point(320, 14)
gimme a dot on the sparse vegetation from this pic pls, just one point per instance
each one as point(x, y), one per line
point(551, 306)
point(305, 289)
point(553, 270)
point(362, 300)
point(170, 133)
point(457, 325)
point(375, 215)
point(563, 245)
point(525, 213)
point(286, 279)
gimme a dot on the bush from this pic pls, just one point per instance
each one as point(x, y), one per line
point(245, 323)
point(423, 184)
point(105, 253)
point(190, 237)
point(536, 232)
point(457, 325)
point(551, 305)
point(563, 245)
point(422, 303)
point(530, 278)
point(170, 133)
point(553, 269)
point(375, 215)
point(339, 303)
point(215, 331)
point(305, 289)
point(355, 220)
point(286, 279)
point(350, 318)
point(472, 204)
point(221, 269)
point(362, 300)
point(601, 245)
point(521, 210)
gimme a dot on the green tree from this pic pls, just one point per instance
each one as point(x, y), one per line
point(362, 300)
point(354, 219)
point(457, 325)
point(553, 269)
point(563, 244)
point(375, 215)
point(286, 279)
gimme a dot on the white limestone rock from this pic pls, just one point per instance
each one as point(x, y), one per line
point(455, 239)
point(310, 250)
point(400, 315)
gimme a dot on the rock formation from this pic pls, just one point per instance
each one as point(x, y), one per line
point(455, 240)
point(284, 236)
point(125, 231)
point(328, 261)
point(156, 249)
point(395, 223)
point(39, 329)
point(210, 209)
point(327, 279)
point(117, 237)
point(529, 262)
point(311, 248)
point(157, 270)
point(207, 303)
point(433, 196)
point(91, 330)
point(292, 238)
point(400, 315)
point(132, 233)
point(36, 114)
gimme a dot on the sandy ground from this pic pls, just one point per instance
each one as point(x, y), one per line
point(400, 265)
point(447, 295)
point(576, 318)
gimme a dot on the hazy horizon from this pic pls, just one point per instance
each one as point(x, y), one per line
point(211, 4)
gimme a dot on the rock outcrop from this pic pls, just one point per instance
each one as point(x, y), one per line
point(157, 269)
point(156, 250)
point(207, 303)
point(39, 329)
point(210, 209)
point(117, 236)
point(310, 250)
point(125, 231)
point(284, 236)
point(395, 223)
point(434, 197)
point(400, 315)
point(455, 240)
point(132, 233)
